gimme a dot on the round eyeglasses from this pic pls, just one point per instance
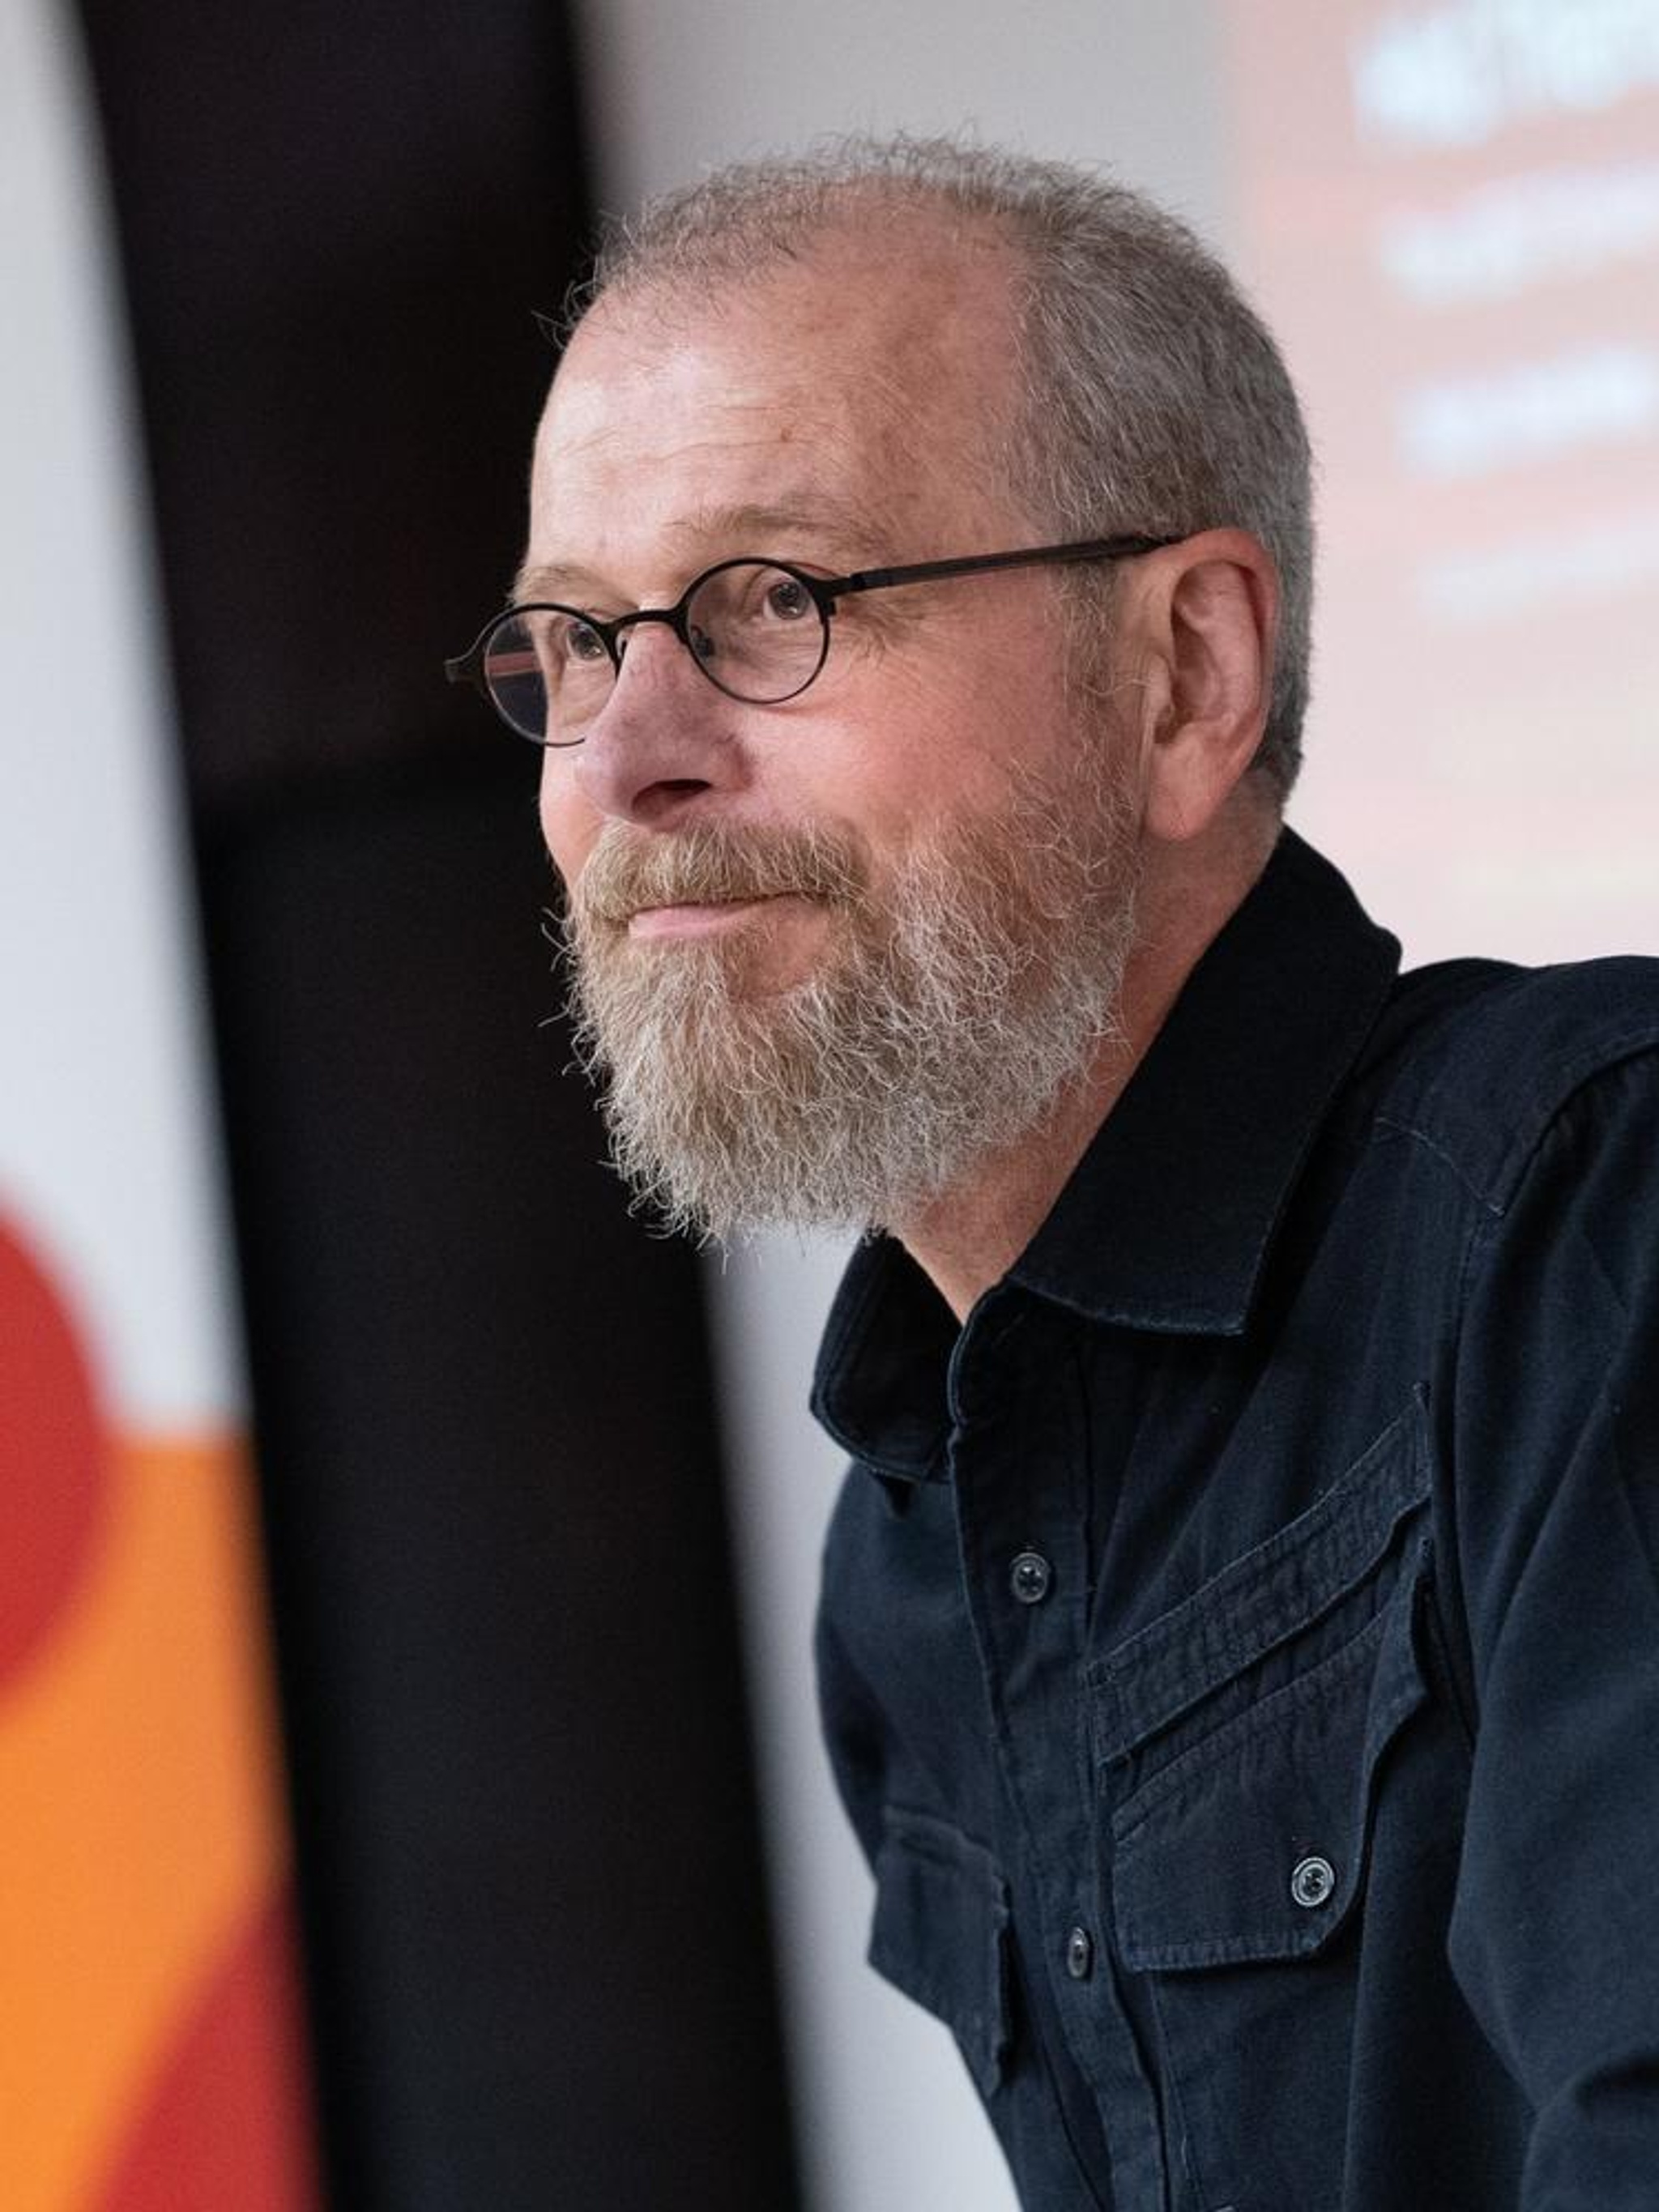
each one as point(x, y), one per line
point(758, 630)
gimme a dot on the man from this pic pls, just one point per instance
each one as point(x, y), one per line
point(1240, 1645)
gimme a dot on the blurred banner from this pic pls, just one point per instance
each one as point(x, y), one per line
point(149, 2042)
point(1458, 245)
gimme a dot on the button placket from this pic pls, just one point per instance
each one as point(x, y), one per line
point(1017, 1460)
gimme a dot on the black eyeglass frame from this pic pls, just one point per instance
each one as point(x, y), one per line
point(823, 591)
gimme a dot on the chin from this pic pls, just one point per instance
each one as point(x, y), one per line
point(774, 949)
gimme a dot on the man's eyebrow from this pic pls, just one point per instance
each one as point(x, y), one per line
point(790, 529)
point(545, 580)
point(813, 521)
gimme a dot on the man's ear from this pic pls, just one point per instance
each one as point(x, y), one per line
point(1207, 614)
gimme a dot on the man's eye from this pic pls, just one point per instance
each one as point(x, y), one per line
point(582, 642)
point(788, 598)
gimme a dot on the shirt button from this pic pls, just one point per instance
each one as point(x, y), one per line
point(1313, 1880)
point(1079, 1954)
point(1029, 1578)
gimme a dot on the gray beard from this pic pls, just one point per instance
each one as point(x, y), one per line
point(950, 1011)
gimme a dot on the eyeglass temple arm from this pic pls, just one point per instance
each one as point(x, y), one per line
point(468, 667)
point(969, 565)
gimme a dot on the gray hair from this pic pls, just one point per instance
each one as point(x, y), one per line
point(1153, 399)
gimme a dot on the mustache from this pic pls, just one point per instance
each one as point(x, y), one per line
point(630, 868)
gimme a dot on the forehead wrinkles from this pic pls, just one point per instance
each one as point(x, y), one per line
point(823, 443)
point(864, 356)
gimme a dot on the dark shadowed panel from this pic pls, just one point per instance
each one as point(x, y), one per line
point(484, 1412)
point(337, 222)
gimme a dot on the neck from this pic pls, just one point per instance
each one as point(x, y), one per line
point(968, 1237)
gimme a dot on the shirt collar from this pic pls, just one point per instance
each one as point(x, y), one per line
point(1166, 1221)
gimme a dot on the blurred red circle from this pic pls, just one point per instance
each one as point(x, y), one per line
point(53, 1453)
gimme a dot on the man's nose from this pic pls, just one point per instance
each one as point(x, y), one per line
point(665, 741)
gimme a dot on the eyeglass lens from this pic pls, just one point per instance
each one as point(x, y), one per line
point(754, 629)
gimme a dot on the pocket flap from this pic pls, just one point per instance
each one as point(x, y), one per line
point(940, 1934)
point(1264, 1599)
point(1251, 1845)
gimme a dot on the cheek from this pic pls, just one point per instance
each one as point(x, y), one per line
point(569, 824)
point(942, 746)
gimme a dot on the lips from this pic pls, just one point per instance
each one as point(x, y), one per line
point(694, 918)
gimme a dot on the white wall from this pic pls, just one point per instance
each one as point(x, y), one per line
point(107, 1151)
point(1133, 82)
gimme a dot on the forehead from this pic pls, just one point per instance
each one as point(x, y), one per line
point(865, 391)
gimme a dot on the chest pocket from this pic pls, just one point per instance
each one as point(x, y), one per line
point(1246, 1741)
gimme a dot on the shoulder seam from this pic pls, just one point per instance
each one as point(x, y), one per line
point(1535, 1114)
point(1546, 1106)
point(1447, 1159)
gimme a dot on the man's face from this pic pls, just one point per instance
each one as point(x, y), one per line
point(825, 950)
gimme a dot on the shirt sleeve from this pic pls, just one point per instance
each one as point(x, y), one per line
point(1554, 1447)
point(853, 1729)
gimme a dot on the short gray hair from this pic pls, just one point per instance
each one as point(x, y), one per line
point(1153, 398)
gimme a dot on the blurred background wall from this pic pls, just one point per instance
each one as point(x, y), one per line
point(528, 1632)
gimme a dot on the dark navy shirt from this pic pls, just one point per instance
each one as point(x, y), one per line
point(1240, 1642)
